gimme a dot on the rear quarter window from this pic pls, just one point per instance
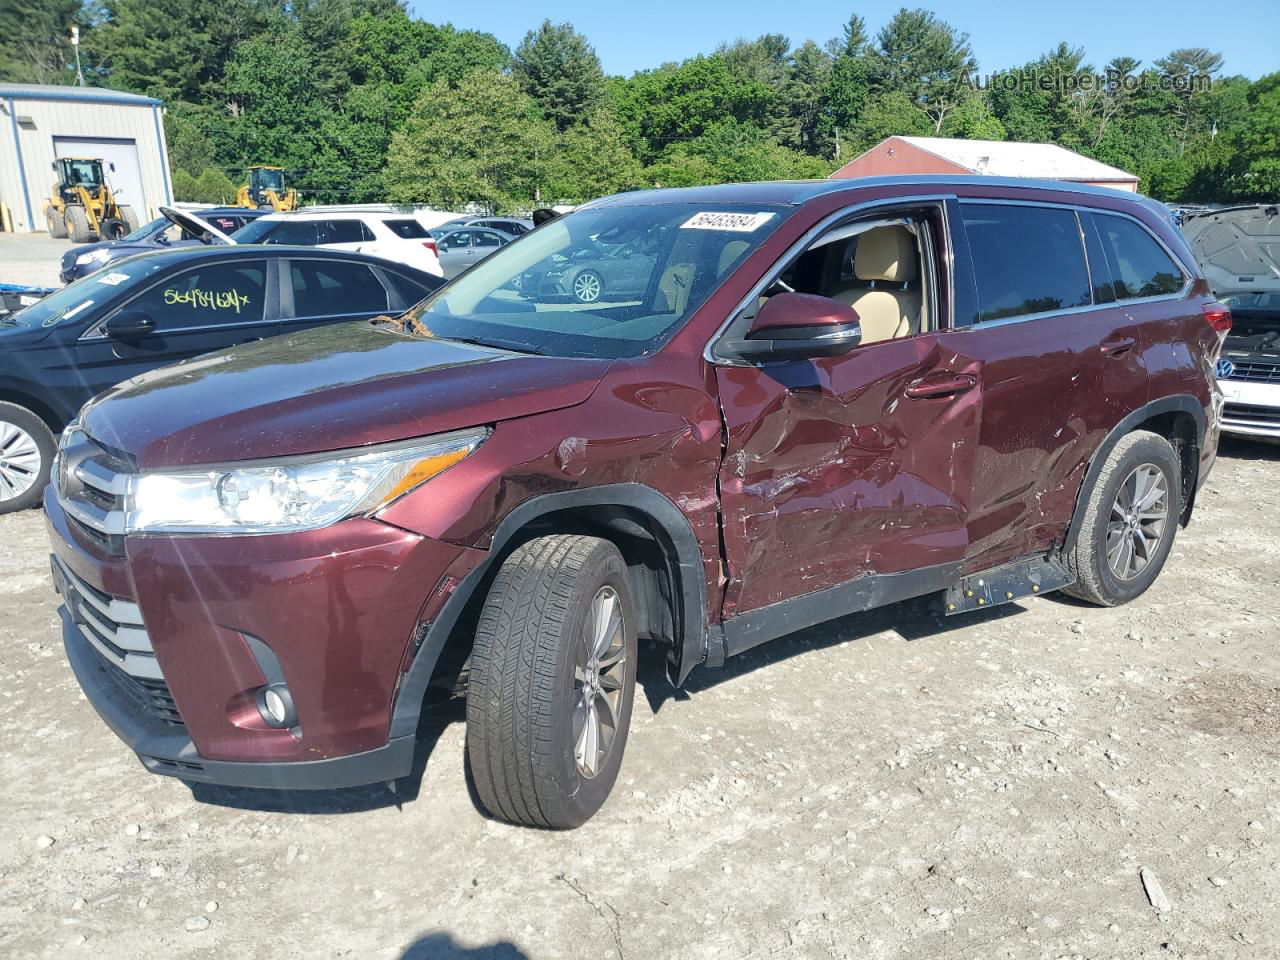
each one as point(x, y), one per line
point(406, 229)
point(1140, 267)
point(1026, 260)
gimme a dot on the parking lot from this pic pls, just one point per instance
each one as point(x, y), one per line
point(887, 785)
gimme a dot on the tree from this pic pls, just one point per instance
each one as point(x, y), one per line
point(972, 119)
point(1191, 68)
point(592, 159)
point(484, 141)
point(803, 96)
point(35, 40)
point(559, 69)
point(732, 152)
point(925, 58)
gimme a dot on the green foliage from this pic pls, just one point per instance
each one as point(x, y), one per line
point(35, 41)
point(559, 69)
point(211, 186)
point(730, 152)
point(592, 159)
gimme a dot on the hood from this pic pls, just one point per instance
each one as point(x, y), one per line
point(1238, 248)
point(326, 389)
point(201, 229)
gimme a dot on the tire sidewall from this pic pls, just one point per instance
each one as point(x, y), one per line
point(1158, 453)
point(45, 443)
point(584, 796)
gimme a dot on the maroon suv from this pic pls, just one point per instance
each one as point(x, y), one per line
point(825, 397)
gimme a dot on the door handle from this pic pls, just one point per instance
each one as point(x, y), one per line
point(1118, 346)
point(940, 385)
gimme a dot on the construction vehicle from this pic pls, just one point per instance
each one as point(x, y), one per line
point(83, 205)
point(266, 191)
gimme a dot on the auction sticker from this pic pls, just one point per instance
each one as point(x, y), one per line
point(732, 222)
point(114, 278)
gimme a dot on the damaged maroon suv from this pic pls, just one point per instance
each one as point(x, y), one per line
point(781, 403)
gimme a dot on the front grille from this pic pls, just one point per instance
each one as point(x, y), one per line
point(1251, 412)
point(1255, 371)
point(91, 484)
point(114, 628)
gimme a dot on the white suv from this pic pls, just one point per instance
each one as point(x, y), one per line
point(396, 237)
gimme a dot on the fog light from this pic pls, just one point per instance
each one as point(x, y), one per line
point(276, 706)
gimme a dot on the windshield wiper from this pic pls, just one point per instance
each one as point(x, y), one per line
point(497, 343)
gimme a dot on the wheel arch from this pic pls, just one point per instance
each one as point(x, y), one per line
point(655, 539)
point(17, 395)
point(1180, 419)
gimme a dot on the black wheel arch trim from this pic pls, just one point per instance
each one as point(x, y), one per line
point(689, 620)
point(1175, 403)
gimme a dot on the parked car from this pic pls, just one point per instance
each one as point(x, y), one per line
point(399, 238)
point(604, 270)
point(150, 310)
point(461, 249)
point(160, 234)
point(1239, 250)
point(512, 226)
point(829, 396)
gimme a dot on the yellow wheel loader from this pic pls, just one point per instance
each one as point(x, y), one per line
point(266, 191)
point(83, 205)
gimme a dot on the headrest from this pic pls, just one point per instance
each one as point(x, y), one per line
point(729, 253)
point(885, 253)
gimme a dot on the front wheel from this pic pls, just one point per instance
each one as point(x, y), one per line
point(588, 286)
point(26, 453)
point(552, 682)
point(1131, 515)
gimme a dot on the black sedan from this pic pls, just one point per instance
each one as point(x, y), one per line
point(148, 311)
point(160, 234)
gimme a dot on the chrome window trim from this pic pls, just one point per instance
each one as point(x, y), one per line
point(804, 242)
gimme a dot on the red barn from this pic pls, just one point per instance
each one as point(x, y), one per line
point(992, 158)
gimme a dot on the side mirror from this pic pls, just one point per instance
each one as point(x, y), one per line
point(112, 167)
point(130, 325)
point(800, 326)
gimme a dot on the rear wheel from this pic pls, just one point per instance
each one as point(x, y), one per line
point(552, 682)
point(26, 453)
point(53, 220)
point(588, 286)
point(130, 219)
point(1131, 516)
point(77, 223)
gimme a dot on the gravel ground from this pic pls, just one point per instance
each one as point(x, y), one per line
point(31, 259)
point(887, 785)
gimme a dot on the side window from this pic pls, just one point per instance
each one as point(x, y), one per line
point(213, 294)
point(1139, 265)
point(408, 291)
point(300, 232)
point(406, 229)
point(484, 238)
point(344, 231)
point(458, 240)
point(325, 288)
point(1025, 259)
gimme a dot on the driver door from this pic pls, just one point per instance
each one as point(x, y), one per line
point(860, 465)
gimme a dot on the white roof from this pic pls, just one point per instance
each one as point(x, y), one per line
point(998, 158)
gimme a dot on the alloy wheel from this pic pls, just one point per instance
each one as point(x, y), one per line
point(598, 674)
point(1139, 518)
point(587, 287)
point(19, 461)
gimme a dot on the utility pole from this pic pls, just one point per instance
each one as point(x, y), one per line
point(75, 42)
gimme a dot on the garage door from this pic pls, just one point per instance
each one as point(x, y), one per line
point(125, 180)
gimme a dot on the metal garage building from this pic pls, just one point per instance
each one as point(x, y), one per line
point(40, 122)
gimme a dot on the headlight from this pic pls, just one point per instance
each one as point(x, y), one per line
point(291, 493)
point(93, 256)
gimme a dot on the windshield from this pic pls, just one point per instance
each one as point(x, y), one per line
point(270, 179)
point(607, 282)
point(145, 231)
point(86, 173)
point(76, 298)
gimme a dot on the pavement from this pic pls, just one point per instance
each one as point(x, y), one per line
point(1042, 780)
point(31, 259)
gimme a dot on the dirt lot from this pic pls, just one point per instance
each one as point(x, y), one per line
point(884, 786)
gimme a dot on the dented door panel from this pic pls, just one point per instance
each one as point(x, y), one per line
point(832, 471)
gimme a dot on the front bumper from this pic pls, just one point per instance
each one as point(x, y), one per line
point(1251, 409)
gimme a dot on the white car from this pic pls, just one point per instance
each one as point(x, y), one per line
point(392, 236)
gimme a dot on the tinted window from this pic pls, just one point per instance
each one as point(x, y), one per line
point(408, 229)
point(345, 231)
point(326, 288)
point(1139, 265)
point(409, 291)
point(457, 240)
point(301, 232)
point(485, 239)
point(211, 294)
point(1025, 259)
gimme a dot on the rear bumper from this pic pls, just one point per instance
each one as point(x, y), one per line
point(166, 749)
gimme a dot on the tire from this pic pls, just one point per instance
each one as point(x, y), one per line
point(26, 454)
point(54, 221)
point(532, 678)
point(588, 287)
point(1121, 550)
point(130, 219)
point(77, 222)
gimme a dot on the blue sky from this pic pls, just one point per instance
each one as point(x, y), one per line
point(631, 36)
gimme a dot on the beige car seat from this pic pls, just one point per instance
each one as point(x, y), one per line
point(885, 255)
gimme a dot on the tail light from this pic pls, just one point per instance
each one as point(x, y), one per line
point(431, 245)
point(1219, 316)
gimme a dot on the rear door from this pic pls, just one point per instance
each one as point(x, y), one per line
point(216, 304)
point(1062, 366)
point(323, 291)
point(456, 253)
point(345, 233)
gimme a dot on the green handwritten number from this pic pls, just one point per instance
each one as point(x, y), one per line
point(214, 300)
